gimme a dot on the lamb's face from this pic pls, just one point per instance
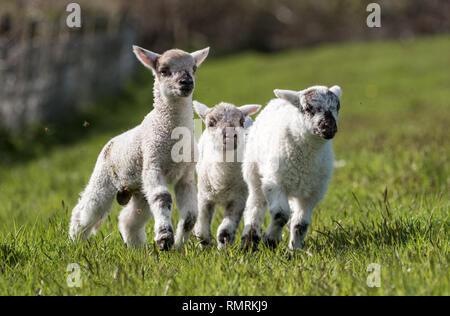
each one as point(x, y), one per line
point(174, 70)
point(225, 123)
point(319, 107)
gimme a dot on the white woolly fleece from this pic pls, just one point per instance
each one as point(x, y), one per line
point(286, 166)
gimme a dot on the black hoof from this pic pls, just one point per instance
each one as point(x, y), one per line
point(250, 240)
point(203, 241)
point(165, 240)
point(224, 237)
point(271, 243)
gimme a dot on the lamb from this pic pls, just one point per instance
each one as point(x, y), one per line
point(219, 173)
point(137, 165)
point(288, 163)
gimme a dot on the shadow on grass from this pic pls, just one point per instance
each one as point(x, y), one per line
point(110, 114)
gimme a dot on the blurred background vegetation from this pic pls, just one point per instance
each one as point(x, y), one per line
point(50, 73)
point(269, 25)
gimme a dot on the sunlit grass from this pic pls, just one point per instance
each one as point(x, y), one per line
point(388, 201)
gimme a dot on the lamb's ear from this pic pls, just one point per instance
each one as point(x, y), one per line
point(146, 57)
point(200, 55)
point(288, 95)
point(337, 91)
point(201, 109)
point(249, 109)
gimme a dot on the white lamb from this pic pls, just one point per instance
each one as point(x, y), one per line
point(219, 172)
point(288, 163)
point(138, 166)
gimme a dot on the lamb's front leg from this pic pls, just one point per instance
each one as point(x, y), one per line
point(160, 201)
point(300, 220)
point(202, 228)
point(279, 214)
point(186, 195)
point(227, 229)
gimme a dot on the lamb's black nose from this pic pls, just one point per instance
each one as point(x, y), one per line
point(186, 80)
point(328, 121)
point(328, 126)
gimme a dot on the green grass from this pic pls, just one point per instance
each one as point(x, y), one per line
point(388, 203)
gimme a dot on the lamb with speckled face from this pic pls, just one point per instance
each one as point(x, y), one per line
point(137, 166)
point(288, 163)
point(220, 181)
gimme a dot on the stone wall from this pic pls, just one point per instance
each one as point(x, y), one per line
point(48, 71)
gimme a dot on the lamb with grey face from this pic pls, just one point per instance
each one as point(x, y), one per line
point(219, 168)
point(288, 163)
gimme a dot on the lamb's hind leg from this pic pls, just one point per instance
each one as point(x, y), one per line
point(132, 221)
point(279, 212)
point(93, 206)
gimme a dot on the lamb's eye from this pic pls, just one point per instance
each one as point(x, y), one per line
point(241, 122)
point(310, 110)
point(194, 69)
point(165, 72)
point(338, 106)
point(212, 123)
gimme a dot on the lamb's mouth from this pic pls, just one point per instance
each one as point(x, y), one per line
point(186, 90)
point(327, 134)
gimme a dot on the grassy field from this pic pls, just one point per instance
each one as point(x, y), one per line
point(388, 201)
